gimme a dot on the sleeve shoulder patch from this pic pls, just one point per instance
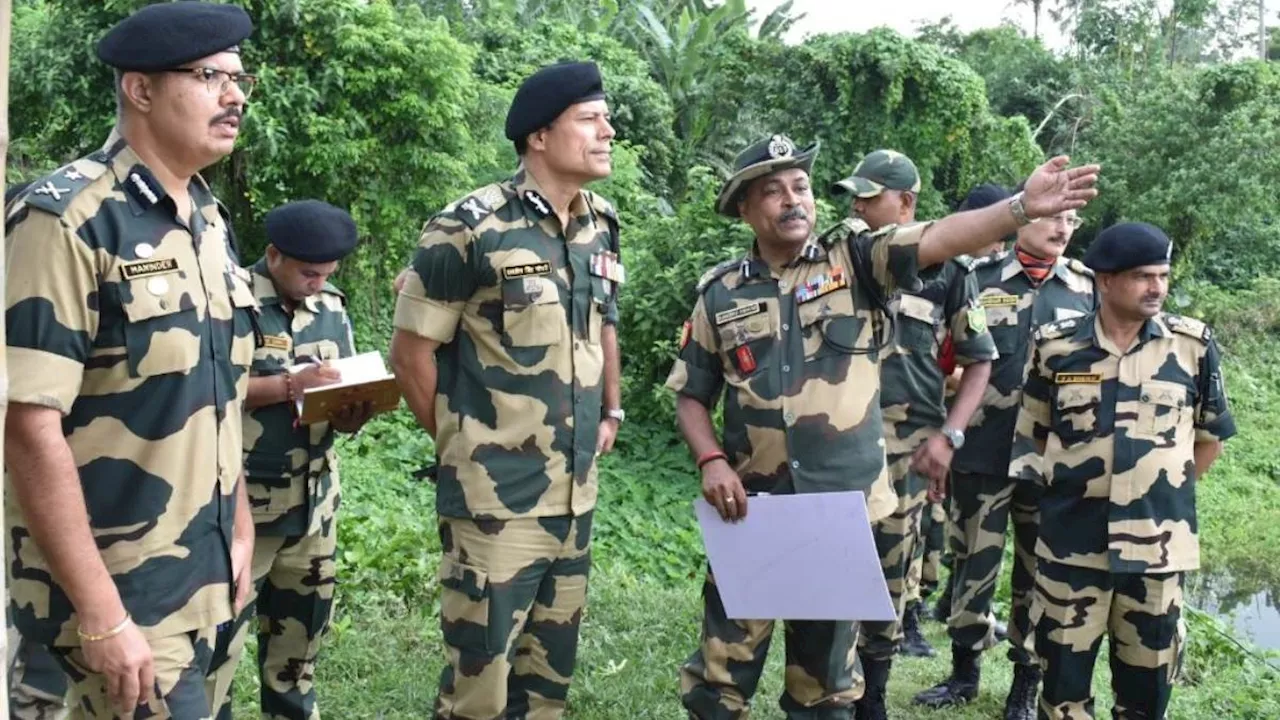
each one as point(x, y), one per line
point(716, 273)
point(474, 208)
point(55, 192)
point(1190, 327)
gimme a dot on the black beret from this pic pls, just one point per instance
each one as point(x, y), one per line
point(168, 34)
point(311, 231)
point(983, 196)
point(1127, 246)
point(548, 92)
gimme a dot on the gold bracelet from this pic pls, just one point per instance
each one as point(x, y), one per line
point(85, 637)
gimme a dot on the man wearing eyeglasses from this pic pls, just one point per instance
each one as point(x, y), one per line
point(1020, 289)
point(131, 332)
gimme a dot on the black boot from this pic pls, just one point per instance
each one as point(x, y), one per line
point(1021, 703)
point(942, 608)
point(961, 687)
point(913, 642)
point(871, 706)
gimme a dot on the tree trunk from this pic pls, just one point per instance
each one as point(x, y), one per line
point(6, 10)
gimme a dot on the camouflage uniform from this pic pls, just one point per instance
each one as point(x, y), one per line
point(801, 414)
point(982, 488)
point(926, 562)
point(113, 304)
point(1119, 528)
point(911, 404)
point(292, 473)
point(518, 303)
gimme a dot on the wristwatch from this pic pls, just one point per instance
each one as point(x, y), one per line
point(617, 414)
point(1019, 210)
point(954, 437)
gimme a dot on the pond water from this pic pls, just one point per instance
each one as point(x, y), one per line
point(1251, 608)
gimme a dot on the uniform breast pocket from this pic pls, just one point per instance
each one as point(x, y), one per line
point(321, 350)
point(748, 344)
point(1162, 408)
point(532, 315)
point(831, 326)
point(1075, 412)
point(918, 324)
point(162, 331)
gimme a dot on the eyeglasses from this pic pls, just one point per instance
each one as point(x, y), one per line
point(219, 81)
point(1071, 221)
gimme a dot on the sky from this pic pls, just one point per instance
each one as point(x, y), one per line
point(861, 15)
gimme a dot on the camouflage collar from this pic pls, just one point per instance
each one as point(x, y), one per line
point(264, 288)
point(754, 266)
point(140, 185)
point(1092, 332)
point(534, 199)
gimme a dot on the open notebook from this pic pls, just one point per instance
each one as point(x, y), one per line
point(364, 378)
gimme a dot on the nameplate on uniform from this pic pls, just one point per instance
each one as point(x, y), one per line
point(276, 342)
point(147, 268)
point(529, 270)
point(822, 285)
point(990, 301)
point(1074, 378)
point(739, 312)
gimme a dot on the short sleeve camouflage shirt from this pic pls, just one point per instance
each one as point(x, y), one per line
point(1119, 428)
point(518, 304)
point(794, 350)
point(135, 324)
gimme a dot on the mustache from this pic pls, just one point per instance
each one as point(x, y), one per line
point(231, 112)
point(795, 213)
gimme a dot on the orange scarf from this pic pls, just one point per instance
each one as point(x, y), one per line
point(1036, 268)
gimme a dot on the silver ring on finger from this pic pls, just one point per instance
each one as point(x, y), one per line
point(730, 501)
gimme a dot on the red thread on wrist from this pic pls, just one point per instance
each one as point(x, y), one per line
point(713, 455)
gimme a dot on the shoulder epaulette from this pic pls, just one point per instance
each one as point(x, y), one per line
point(992, 259)
point(1057, 329)
point(716, 273)
point(333, 290)
point(1079, 267)
point(968, 262)
point(600, 205)
point(1190, 327)
point(54, 192)
point(473, 209)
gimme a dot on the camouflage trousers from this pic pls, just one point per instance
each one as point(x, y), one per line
point(980, 510)
point(38, 686)
point(293, 601)
point(823, 677)
point(897, 538)
point(182, 664)
point(1141, 614)
point(511, 600)
point(926, 561)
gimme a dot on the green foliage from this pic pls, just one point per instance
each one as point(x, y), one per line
point(883, 90)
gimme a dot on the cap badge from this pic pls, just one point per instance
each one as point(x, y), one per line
point(780, 146)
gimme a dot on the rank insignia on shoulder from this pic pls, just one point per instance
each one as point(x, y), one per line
point(742, 311)
point(1064, 378)
point(824, 284)
point(538, 202)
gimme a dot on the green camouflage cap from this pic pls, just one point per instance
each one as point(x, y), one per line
point(763, 158)
point(879, 171)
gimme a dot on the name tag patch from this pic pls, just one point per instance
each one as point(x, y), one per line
point(822, 285)
point(742, 311)
point(527, 270)
point(147, 268)
point(276, 342)
point(990, 301)
point(1074, 378)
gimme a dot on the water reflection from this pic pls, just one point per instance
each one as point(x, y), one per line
point(1252, 605)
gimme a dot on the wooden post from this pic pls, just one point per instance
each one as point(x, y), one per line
point(6, 12)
